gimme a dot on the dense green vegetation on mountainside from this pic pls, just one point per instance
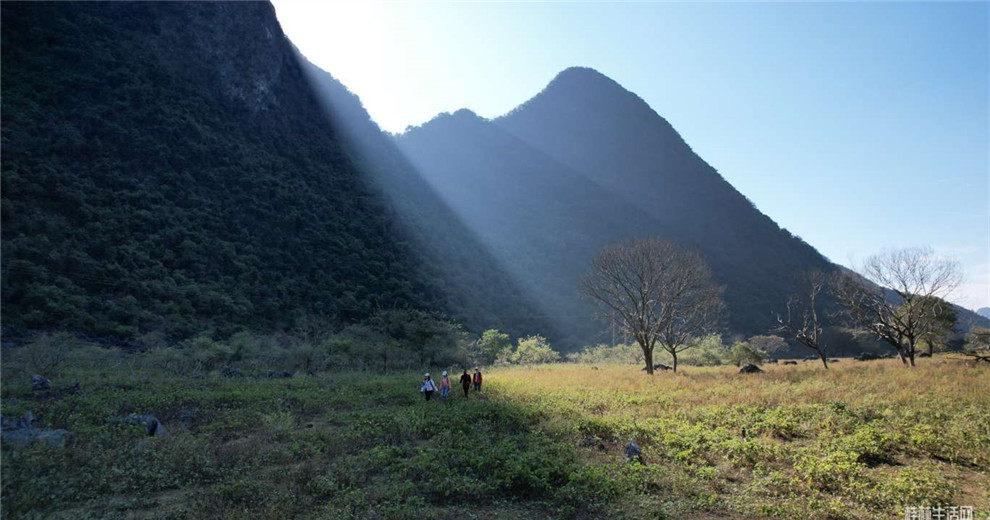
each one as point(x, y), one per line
point(166, 167)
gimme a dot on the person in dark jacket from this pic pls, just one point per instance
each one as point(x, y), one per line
point(465, 382)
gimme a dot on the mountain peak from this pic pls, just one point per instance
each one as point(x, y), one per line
point(462, 118)
point(587, 83)
point(582, 75)
point(465, 113)
point(587, 88)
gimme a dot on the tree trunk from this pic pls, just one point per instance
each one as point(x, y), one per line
point(824, 359)
point(648, 357)
point(673, 354)
point(931, 348)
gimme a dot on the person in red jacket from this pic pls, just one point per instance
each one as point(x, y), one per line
point(477, 380)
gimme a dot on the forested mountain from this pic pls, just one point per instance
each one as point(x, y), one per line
point(178, 167)
point(622, 171)
point(166, 166)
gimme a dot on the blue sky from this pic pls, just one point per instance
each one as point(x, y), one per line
point(856, 126)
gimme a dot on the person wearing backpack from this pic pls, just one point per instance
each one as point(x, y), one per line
point(428, 386)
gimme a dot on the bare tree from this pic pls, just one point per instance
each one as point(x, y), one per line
point(899, 297)
point(802, 321)
point(657, 292)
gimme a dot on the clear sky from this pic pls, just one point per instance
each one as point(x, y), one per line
point(856, 126)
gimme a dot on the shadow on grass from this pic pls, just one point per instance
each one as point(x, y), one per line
point(334, 446)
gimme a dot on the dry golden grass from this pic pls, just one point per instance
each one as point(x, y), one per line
point(885, 382)
point(860, 440)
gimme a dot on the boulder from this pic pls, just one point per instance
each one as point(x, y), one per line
point(153, 427)
point(750, 369)
point(22, 432)
point(633, 451)
point(40, 383)
point(28, 420)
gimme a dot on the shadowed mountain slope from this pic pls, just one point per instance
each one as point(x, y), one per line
point(476, 287)
point(541, 219)
point(622, 171)
point(167, 167)
point(592, 124)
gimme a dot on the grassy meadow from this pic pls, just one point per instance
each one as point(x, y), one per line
point(859, 441)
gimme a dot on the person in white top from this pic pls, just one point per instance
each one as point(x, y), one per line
point(428, 386)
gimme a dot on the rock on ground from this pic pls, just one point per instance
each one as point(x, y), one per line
point(20, 433)
point(152, 425)
point(633, 451)
point(40, 383)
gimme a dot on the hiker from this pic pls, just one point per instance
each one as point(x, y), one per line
point(444, 385)
point(428, 386)
point(477, 380)
point(466, 382)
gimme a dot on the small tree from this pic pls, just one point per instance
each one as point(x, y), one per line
point(490, 345)
point(743, 352)
point(47, 352)
point(899, 297)
point(529, 351)
point(768, 345)
point(943, 322)
point(801, 321)
point(657, 291)
point(978, 344)
point(710, 350)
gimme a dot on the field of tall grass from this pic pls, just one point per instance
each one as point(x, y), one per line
point(860, 441)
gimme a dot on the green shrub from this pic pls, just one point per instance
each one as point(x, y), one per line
point(529, 351)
